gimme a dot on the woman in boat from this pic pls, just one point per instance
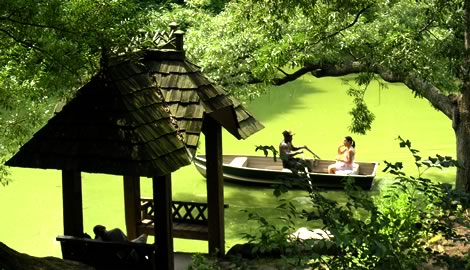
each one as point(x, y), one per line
point(287, 151)
point(345, 158)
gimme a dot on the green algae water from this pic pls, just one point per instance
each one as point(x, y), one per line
point(315, 109)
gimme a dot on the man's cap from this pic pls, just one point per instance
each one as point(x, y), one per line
point(288, 132)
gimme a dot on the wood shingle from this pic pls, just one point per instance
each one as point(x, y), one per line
point(144, 110)
point(141, 115)
point(106, 129)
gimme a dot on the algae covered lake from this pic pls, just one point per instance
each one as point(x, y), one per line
point(315, 109)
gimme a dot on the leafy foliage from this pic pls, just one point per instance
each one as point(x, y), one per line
point(269, 238)
point(49, 49)
point(267, 149)
point(389, 231)
point(362, 117)
point(200, 262)
point(251, 44)
point(264, 37)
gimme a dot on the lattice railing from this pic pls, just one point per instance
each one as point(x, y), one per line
point(183, 212)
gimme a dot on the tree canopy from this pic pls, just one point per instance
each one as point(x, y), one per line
point(252, 43)
point(50, 48)
point(420, 43)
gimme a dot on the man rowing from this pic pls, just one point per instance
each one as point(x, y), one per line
point(287, 151)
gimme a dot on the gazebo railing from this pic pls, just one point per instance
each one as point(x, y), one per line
point(190, 219)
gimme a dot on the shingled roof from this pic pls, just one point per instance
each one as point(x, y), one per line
point(190, 94)
point(141, 115)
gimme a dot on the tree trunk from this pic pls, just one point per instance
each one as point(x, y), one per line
point(462, 134)
point(462, 124)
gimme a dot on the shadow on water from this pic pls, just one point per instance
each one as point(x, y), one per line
point(282, 100)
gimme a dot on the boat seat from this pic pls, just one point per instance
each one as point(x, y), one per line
point(355, 169)
point(275, 167)
point(239, 162)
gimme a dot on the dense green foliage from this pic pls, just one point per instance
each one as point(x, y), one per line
point(420, 43)
point(50, 48)
point(251, 42)
point(391, 230)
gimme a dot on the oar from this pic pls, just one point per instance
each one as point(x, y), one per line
point(315, 155)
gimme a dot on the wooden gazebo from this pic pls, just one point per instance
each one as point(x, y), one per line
point(142, 115)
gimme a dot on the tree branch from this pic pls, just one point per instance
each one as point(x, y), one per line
point(442, 102)
point(31, 45)
point(24, 43)
point(309, 67)
point(356, 19)
point(351, 24)
point(291, 77)
point(424, 88)
point(9, 19)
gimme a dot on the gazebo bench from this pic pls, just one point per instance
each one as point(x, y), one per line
point(189, 219)
point(107, 255)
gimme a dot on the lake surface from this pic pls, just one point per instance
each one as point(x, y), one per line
point(315, 109)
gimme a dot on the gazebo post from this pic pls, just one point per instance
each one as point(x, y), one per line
point(146, 115)
point(132, 204)
point(215, 186)
point(163, 222)
point(72, 202)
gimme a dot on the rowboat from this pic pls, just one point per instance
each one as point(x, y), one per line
point(264, 170)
